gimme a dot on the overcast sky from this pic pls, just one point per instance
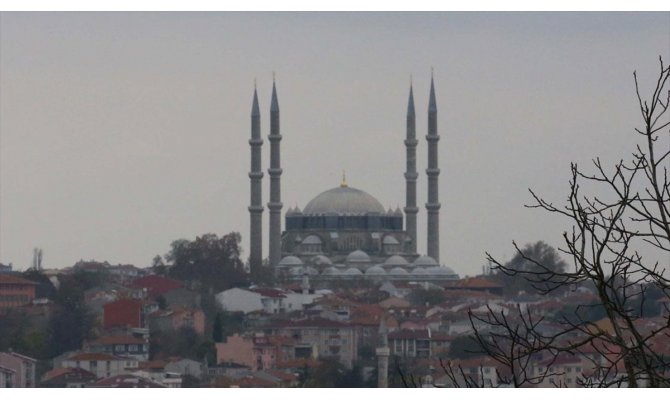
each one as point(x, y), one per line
point(122, 132)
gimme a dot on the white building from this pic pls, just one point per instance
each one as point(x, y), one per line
point(101, 364)
point(271, 301)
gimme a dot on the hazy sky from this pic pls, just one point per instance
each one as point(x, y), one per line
point(122, 132)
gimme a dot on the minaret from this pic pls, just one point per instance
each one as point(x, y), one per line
point(410, 174)
point(256, 176)
point(275, 171)
point(433, 172)
point(383, 353)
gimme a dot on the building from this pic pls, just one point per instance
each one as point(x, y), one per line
point(6, 377)
point(175, 319)
point(125, 381)
point(19, 370)
point(410, 343)
point(155, 285)
point(318, 337)
point(121, 346)
point(15, 291)
point(344, 233)
point(67, 378)
point(129, 313)
point(5, 268)
point(101, 364)
point(269, 300)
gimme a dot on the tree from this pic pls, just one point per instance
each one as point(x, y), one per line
point(534, 258)
point(217, 329)
point(209, 262)
point(463, 347)
point(609, 235)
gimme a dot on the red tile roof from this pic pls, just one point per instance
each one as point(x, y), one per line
point(77, 373)
point(123, 312)
point(7, 279)
point(156, 285)
point(299, 363)
point(474, 283)
point(95, 357)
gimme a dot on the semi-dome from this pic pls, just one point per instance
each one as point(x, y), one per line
point(390, 240)
point(295, 271)
point(425, 261)
point(440, 271)
point(419, 271)
point(397, 271)
point(352, 271)
point(358, 256)
point(312, 239)
point(310, 271)
point(321, 260)
point(395, 260)
point(376, 270)
point(343, 200)
point(290, 261)
point(330, 271)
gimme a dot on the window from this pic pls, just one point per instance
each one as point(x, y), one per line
point(93, 364)
point(568, 369)
point(132, 347)
point(119, 347)
point(578, 369)
point(398, 346)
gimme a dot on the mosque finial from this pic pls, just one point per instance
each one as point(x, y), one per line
point(344, 180)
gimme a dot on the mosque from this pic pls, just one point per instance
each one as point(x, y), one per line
point(345, 233)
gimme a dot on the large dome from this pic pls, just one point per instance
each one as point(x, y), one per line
point(343, 200)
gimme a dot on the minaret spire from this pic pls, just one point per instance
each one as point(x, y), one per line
point(410, 174)
point(275, 171)
point(256, 206)
point(433, 173)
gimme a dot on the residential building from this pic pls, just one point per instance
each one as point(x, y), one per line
point(172, 320)
point(23, 367)
point(125, 381)
point(184, 366)
point(410, 343)
point(258, 352)
point(67, 378)
point(101, 364)
point(318, 337)
point(6, 377)
point(127, 312)
point(269, 300)
point(121, 345)
point(15, 291)
point(156, 285)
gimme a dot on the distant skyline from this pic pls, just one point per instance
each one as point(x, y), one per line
point(121, 132)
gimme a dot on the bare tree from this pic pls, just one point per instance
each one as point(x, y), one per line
point(609, 234)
